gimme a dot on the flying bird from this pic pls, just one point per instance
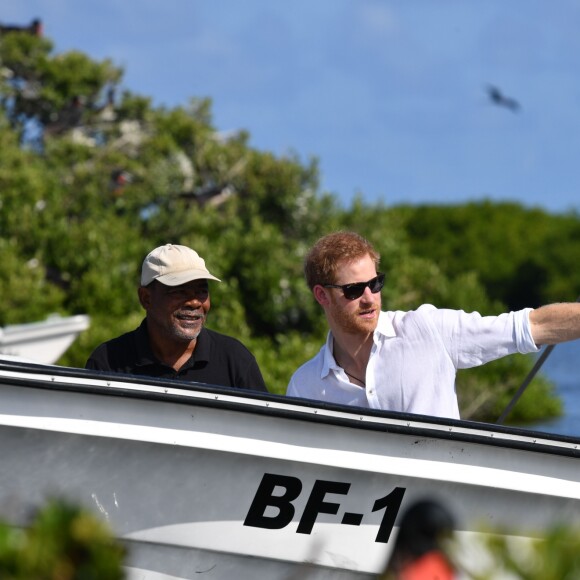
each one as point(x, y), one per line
point(498, 98)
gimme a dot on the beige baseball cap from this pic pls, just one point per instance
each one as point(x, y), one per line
point(173, 265)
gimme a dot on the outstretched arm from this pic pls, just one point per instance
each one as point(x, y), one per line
point(555, 323)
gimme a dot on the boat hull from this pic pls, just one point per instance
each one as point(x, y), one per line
point(42, 342)
point(203, 480)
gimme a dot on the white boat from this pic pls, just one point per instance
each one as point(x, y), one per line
point(44, 341)
point(204, 481)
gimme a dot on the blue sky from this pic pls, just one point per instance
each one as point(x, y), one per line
point(389, 95)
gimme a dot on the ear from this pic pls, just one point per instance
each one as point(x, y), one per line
point(321, 295)
point(144, 297)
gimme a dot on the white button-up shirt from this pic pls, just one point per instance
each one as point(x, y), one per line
point(414, 360)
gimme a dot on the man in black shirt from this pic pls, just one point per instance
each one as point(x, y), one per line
point(172, 341)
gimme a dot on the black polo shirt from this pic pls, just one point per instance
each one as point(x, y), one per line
point(217, 360)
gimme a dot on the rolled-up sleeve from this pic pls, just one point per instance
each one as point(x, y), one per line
point(523, 332)
point(473, 339)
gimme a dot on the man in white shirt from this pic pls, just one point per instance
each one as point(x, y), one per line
point(405, 361)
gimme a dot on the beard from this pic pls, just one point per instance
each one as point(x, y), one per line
point(187, 324)
point(350, 321)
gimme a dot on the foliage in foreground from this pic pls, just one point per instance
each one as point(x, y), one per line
point(555, 557)
point(62, 542)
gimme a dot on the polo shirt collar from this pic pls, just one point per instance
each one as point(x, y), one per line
point(144, 353)
point(146, 357)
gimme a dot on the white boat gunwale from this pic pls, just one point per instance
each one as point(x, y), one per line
point(175, 391)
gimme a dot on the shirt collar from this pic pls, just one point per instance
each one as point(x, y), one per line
point(144, 352)
point(145, 355)
point(328, 361)
point(384, 329)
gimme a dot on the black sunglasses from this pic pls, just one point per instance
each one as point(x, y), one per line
point(354, 291)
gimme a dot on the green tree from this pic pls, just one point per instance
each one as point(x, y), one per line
point(523, 257)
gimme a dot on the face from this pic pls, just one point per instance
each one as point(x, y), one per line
point(358, 316)
point(176, 313)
